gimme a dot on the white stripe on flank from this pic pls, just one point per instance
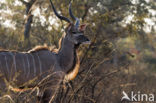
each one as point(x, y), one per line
point(40, 63)
point(33, 64)
point(6, 63)
point(28, 65)
point(14, 61)
point(1, 67)
point(23, 64)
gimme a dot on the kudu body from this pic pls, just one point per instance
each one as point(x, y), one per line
point(28, 70)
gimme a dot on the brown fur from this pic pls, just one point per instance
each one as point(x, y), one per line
point(4, 50)
point(35, 49)
point(38, 48)
point(72, 74)
point(45, 47)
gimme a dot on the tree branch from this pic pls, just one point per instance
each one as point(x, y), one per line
point(29, 17)
point(86, 11)
point(28, 26)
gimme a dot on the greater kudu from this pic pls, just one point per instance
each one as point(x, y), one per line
point(39, 66)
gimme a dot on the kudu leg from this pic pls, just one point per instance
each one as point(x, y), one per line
point(49, 96)
point(3, 87)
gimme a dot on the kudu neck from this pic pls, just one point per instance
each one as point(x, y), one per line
point(67, 55)
point(65, 44)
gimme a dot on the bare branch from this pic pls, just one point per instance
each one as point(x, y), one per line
point(28, 26)
point(29, 18)
point(86, 11)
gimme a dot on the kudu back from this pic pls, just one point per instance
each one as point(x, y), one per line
point(39, 66)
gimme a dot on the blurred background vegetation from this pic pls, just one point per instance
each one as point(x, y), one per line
point(122, 55)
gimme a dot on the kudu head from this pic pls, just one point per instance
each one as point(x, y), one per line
point(74, 31)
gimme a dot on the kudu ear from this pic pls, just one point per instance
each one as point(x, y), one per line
point(82, 27)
